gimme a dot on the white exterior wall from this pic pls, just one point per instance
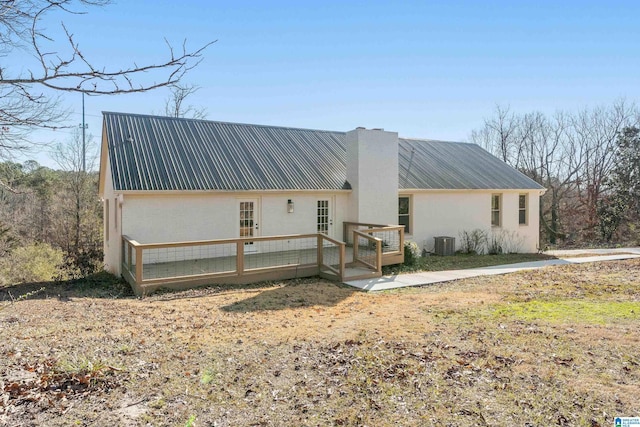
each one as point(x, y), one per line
point(448, 213)
point(112, 229)
point(372, 171)
point(208, 216)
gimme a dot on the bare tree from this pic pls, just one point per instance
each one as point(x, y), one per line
point(505, 135)
point(596, 132)
point(29, 97)
point(571, 155)
point(78, 229)
point(175, 104)
point(497, 134)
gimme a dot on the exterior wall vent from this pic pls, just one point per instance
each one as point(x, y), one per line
point(445, 245)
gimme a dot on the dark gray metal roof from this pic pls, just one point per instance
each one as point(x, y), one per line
point(426, 164)
point(164, 153)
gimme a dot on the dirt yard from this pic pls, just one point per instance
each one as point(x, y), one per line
point(558, 346)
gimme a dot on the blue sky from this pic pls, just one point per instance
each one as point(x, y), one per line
point(424, 69)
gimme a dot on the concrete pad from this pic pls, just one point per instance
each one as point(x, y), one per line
point(430, 277)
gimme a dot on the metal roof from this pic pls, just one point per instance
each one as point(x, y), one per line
point(164, 153)
point(426, 164)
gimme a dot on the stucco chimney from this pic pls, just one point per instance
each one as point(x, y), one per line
point(372, 171)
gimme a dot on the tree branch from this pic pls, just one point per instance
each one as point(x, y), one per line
point(28, 98)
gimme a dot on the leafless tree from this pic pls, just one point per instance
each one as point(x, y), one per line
point(175, 104)
point(596, 131)
point(497, 134)
point(505, 135)
point(569, 154)
point(30, 96)
point(79, 226)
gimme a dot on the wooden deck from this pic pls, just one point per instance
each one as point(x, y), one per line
point(167, 270)
point(181, 265)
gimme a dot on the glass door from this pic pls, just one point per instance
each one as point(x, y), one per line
point(323, 217)
point(248, 224)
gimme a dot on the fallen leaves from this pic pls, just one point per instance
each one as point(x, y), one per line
point(423, 356)
point(45, 384)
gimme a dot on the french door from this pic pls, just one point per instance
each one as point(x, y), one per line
point(248, 219)
point(324, 220)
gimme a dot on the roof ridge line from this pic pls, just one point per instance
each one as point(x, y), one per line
point(155, 116)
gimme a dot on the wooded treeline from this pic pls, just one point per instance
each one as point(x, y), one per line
point(588, 161)
point(50, 223)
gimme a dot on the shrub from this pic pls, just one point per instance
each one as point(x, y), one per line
point(411, 253)
point(83, 263)
point(511, 241)
point(473, 242)
point(33, 263)
point(494, 244)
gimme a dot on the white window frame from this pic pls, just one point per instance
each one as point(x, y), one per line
point(524, 209)
point(409, 226)
point(497, 210)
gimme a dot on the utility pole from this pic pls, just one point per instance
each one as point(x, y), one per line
point(84, 147)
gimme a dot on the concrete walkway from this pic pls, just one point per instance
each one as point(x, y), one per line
point(429, 277)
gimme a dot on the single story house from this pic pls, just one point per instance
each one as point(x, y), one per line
point(169, 180)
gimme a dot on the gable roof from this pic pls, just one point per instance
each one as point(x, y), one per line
point(440, 165)
point(164, 153)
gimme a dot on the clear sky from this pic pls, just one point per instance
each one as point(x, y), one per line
point(428, 69)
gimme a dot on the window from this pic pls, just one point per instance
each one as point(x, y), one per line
point(496, 203)
point(522, 209)
point(106, 220)
point(404, 213)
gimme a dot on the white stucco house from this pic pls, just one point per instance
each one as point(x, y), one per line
point(175, 180)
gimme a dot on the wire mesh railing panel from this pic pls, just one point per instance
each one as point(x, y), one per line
point(132, 255)
point(179, 261)
point(366, 251)
point(129, 257)
point(390, 239)
point(281, 252)
point(350, 228)
point(331, 254)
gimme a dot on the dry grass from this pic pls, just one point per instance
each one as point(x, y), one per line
point(500, 350)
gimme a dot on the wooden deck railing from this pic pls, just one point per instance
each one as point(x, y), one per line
point(392, 237)
point(148, 266)
point(348, 228)
point(367, 250)
point(331, 256)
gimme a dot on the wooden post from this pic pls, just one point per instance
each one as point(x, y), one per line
point(402, 242)
point(139, 265)
point(239, 257)
point(320, 259)
point(355, 247)
point(379, 255)
point(342, 257)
